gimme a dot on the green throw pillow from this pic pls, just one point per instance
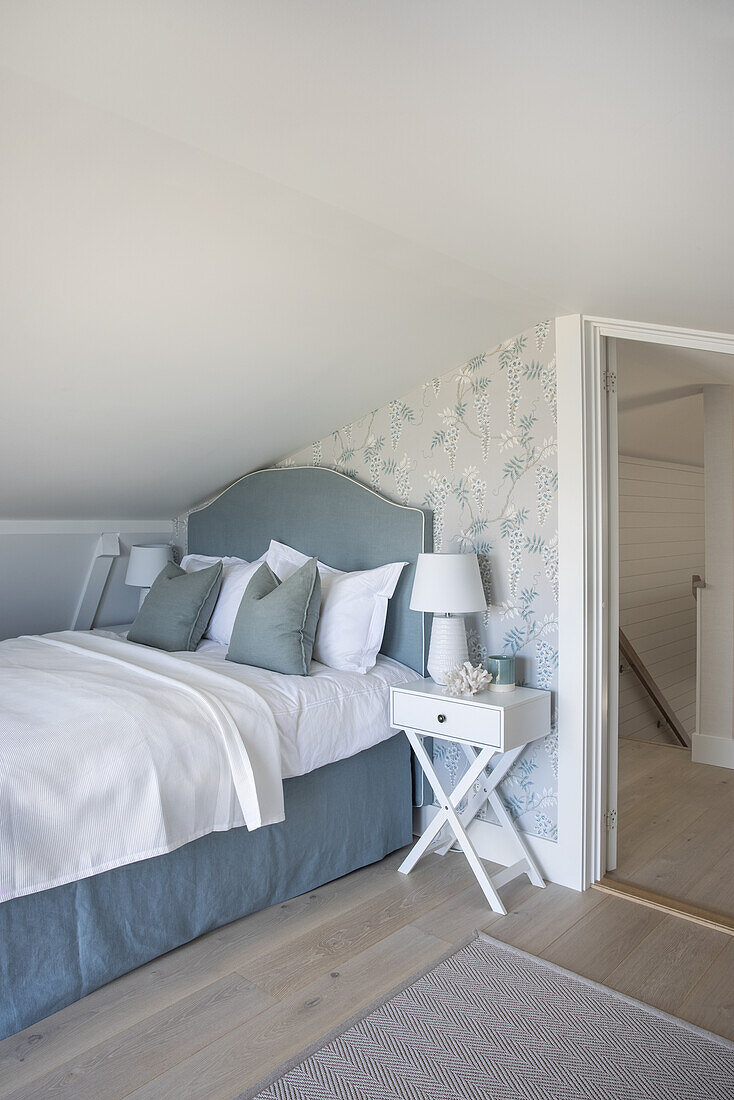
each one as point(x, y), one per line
point(177, 610)
point(276, 622)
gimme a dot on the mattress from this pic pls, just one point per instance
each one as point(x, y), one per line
point(321, 718)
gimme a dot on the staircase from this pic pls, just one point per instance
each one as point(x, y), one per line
point(667, 715)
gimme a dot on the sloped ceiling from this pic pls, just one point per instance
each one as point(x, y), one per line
point(228, 226)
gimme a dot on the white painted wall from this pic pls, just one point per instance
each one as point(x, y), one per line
point(661, 544)
point(44, 567)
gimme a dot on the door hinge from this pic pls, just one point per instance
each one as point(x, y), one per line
point(610, 820)
point(610, 381)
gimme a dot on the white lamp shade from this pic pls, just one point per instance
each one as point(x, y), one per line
point(145, 563)
point(448, 584)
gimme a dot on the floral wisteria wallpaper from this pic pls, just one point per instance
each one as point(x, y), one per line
point(477, 446)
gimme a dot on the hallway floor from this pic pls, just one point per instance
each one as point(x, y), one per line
point(676, 826)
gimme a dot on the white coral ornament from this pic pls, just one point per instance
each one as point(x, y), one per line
point(467, 679)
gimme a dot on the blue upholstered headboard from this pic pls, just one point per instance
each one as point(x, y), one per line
point(330, 516)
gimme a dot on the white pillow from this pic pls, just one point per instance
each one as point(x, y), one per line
point(236, 575)
point(353, 608)
point(193, 562)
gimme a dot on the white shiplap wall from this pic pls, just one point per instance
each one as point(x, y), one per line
point(661, 544)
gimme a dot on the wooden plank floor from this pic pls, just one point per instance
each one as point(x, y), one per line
point(209, 1019)
point(676, 826)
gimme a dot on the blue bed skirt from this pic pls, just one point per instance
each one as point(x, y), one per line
point(59, 945)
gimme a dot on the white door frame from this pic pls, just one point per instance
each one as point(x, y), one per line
point(610, 489)
point(588, 653)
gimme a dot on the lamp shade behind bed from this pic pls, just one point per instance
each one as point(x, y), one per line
point(145, 563)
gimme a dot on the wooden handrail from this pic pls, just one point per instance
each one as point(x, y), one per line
point(642, 673)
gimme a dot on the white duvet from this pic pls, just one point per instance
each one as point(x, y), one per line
point(111, 753)
point(326, 716)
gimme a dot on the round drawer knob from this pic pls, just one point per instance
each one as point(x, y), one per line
point(442, 717)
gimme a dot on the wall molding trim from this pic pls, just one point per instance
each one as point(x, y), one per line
point(697, 339)
point(573, 627)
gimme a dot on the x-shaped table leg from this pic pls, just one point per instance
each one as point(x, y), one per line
point(447, 813)
point(488, 793)
point(487, 782)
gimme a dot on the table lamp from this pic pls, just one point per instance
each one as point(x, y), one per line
point(144, 565)
point(450, 586)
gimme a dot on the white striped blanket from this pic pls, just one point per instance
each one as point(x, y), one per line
point(112, 752)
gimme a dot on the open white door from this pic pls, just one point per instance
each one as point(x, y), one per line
point(611, 585)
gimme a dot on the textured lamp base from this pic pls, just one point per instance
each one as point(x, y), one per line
point(448, 646)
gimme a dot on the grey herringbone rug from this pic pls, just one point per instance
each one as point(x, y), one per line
point(489, 1021)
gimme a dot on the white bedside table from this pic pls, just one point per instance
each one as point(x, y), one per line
point(485, 725)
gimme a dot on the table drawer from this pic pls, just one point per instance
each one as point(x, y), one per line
point(448, 718)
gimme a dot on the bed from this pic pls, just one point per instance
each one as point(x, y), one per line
point(58, 944)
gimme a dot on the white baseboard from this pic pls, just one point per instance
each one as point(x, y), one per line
point(492, 843)
point(712, 750)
